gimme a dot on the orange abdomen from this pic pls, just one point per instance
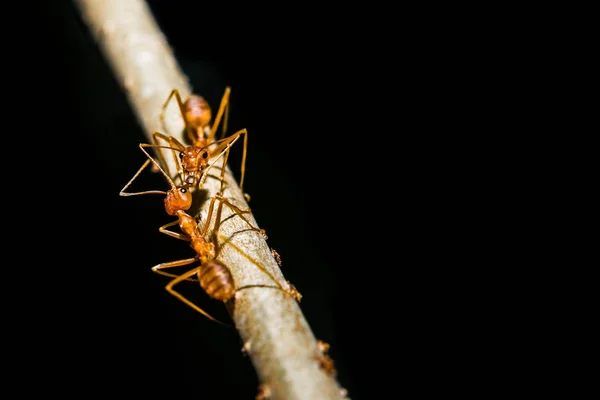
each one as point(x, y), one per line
point(197, 111)
point(216, 280)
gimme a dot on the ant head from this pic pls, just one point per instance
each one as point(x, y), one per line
point(194, 158)
point(178, 198)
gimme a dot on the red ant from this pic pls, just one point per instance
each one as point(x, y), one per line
point(214, 277)
point(325, 361)
point(197, 114)
point(193, 159)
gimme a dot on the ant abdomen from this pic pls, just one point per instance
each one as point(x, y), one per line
point(216, 280)
point(197, 112)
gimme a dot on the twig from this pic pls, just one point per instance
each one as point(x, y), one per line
point(277, 337)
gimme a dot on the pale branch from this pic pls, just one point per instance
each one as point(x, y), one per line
point(277, 337)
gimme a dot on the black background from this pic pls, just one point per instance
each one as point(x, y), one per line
point(334, 109)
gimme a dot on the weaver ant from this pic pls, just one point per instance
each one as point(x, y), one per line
point(325, 361)
point(193, 159)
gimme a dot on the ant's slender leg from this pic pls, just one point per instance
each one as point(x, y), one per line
point(225, 152)
point(222, 108)
point(184, 277)
point(174, 146)
point(238, 211)
point(171, 264)
point(219, 196)
point(175, 93)
point(287, 288)
point(123, 193)
point(168, 178)
point(176, 235)
point(291, 291)
point(150, 159)
point(225, 121)
point(159, 267)
point(222, 144)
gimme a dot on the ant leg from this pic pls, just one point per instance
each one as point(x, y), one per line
point(286, 288)
point(239, 212)
point(174, 146)
point(218, 195)
point(175, 93)
point(156, 165)
point(180, 146)
point(184, 277)
point(223, 107)
point(208, 217)
point(171, 264)
point(290, 291)
point(123, 193)
point(228, 142)
point(225, 152)
point(159, 267)
point(225, 121)
point(142, 145)
point(159, 153)
point(223, 200)
point(176, 235)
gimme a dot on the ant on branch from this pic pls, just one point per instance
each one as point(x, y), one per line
point(325, 361)
point(193, 159)
point(213, 275)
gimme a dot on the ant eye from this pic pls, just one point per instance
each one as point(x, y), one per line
point(183, 190)
point(205, 154)
point(181, 155)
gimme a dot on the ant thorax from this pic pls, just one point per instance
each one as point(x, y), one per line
point(199, 134)
point(205, 249)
